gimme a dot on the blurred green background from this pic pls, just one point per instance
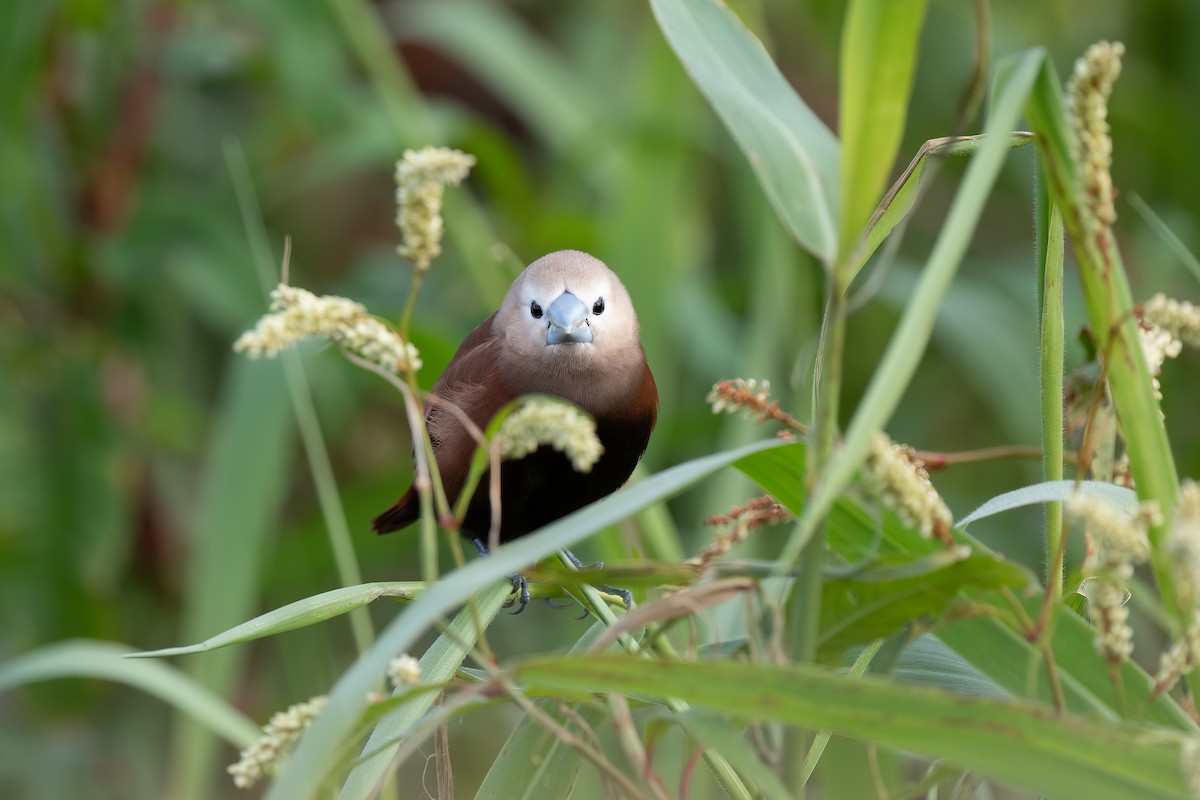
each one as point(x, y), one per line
point(153, 489)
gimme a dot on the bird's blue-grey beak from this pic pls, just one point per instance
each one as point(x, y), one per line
point(568, 321)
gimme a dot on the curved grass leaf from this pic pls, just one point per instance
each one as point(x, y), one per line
point(1022, 745)
point(900, 199)
point(792, 152)
point(879, 601)
point(1050, 492)
point(104, 660)
point(299, 614)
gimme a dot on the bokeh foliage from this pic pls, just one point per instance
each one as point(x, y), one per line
point(129, 512)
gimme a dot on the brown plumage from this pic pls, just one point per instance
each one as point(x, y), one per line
point(566, 328)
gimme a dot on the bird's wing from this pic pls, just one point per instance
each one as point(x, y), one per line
point(471, 383)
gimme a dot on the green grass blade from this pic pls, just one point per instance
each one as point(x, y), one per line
point(791, 151)
point(1025, 746)
point(300, 614)
point(904, 352)
point(243, 487)
point(319, 466)
point(106, 661)
point(317, 751)
point(878, 59)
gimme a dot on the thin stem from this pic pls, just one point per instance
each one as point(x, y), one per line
point(822, 738)
point(319, 465)
point(427, 480)
point(411, 302)
point(595, 756)
point(804, 609)
point(936, 459)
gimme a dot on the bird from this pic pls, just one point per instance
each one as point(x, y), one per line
point(565, 328)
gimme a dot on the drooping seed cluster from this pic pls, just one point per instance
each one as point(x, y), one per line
point(752, 397)
point(760, 511)
point(561, 425)
point(297, 314)
point(421, 179)
point(900, 479)
point(1116, 542)
point(280, 735)
point(1088, 91)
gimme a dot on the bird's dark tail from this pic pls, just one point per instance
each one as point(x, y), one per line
point(401, 515)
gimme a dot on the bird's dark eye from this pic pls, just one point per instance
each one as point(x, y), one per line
point(535, 310)
point(598, 306)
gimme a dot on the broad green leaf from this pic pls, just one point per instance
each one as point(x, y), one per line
point(1018, 666)
point(1028, 747)
point(929, 662)
point(1050, 492)
point(299, 614)
point(317, 751)
point(880, 600)
point(106, 661)
point(878, 59)
point(792, 152)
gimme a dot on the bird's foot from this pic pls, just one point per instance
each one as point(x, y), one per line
point(520, 585)
point(521, 590)
point(625, 595)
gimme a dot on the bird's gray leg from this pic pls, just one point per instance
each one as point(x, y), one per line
point(624, 594)
point(520, 585)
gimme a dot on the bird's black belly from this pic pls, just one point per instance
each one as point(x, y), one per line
point(543, 486)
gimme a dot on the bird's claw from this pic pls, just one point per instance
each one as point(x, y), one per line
point(625, 595)
point(521, 590)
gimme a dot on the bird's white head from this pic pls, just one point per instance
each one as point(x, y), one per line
point(568, 315)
